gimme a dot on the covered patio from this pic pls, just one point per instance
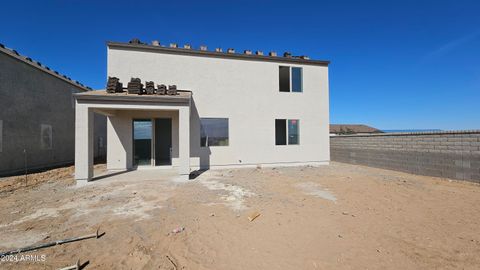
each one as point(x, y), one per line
point(143, 131)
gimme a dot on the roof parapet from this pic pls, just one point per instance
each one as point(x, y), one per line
point(287, 56)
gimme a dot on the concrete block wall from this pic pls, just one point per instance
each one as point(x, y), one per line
point(37, 118)
point(454, 154)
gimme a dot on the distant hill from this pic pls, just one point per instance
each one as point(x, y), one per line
point(345, 129)
point(408, 130)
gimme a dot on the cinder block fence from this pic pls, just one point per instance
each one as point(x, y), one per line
point(451, 154)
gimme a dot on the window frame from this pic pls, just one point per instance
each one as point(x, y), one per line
point(287, 141)
point(290, 78)
point(206, 138)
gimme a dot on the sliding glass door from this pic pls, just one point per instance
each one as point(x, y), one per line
point(142, 142)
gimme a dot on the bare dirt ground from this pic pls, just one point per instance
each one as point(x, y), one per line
point(333, 217)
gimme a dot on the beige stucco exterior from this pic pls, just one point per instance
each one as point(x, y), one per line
point(247, 93)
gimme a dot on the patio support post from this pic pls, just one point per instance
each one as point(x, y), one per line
point(184, 142)
point(83, 142)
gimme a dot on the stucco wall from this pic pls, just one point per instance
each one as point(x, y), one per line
point(30, 100)
point(453, 155)
point(247, 93)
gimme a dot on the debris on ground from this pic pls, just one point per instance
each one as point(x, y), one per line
point(51, 244)
point(253, 216)
point(75, 266)
point(178, 230)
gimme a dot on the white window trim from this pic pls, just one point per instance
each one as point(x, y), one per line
point(290, 88)
point(286, 132)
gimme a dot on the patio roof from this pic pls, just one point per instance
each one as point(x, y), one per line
point(183, 96)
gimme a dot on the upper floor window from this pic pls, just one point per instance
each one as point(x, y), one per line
point(213, 132)
point(290, 79)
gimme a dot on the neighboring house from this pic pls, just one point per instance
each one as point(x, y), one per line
point(37, 116)
point(342, 129)
point(241, 109)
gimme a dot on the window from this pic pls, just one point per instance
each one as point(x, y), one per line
point(46, 136)
point(292, 131)
point(284, 79)
point(296, 79)
point(286, 131)
point(280, 131)
point(213, 132)
point(290, 79)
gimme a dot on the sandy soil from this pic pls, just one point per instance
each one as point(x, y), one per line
point(332, 217)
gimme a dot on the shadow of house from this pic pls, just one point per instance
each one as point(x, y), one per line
point(197, 151)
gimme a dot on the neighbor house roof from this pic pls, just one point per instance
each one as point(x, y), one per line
point(14, 54)
point(218, 53)
point(336, 128)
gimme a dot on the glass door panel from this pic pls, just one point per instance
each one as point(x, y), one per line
point(142, 142)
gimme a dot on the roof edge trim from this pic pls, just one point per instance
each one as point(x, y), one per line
point(238, 56)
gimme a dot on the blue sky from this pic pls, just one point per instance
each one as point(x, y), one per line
point(395, 64)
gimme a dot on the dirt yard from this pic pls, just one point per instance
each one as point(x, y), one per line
point(332, 217)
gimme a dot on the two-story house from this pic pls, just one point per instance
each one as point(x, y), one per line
point(235, 109)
